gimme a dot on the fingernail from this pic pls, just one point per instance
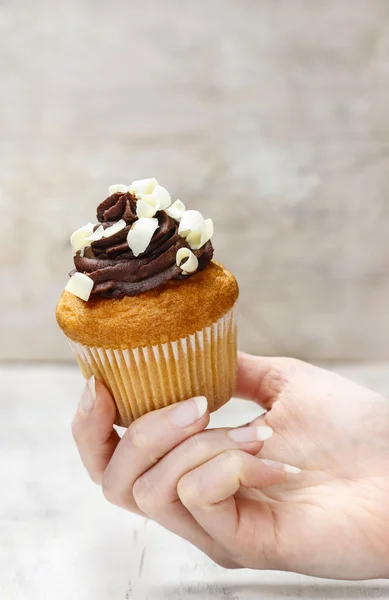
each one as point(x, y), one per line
point(251, 434)
point(188, 412)
point(89, 395)
point(273, 464)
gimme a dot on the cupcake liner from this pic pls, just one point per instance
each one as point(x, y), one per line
point(150, 377)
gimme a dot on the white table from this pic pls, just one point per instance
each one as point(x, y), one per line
point(60, 540)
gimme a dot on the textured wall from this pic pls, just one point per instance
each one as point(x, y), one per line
point(271, 116)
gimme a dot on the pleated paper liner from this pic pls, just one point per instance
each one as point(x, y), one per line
point(151, 377)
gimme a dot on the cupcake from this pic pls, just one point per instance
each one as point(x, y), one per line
point(146, 309)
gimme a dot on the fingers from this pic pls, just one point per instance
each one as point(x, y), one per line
point(156, 491)
point(208, 494)
point(93, 430)
point(262, 379)
point(146, 441)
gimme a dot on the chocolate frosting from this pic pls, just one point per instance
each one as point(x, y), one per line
point(116, 272)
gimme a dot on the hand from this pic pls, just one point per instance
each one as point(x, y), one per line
point(330, 520)
point(141, 472)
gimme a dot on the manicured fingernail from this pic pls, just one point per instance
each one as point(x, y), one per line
point(251, 434)
point(188, 412)
point(89, 395)
point(273, 464)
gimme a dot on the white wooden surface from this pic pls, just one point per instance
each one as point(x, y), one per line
point(59, 539)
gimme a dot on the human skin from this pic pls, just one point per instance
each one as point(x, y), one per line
point(216, 489)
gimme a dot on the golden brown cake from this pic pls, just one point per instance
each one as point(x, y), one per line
point(147, 310)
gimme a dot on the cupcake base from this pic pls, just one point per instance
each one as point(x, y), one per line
point(148, 378)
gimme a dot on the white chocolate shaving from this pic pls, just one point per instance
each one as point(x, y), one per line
point(144, 186)
point(208, 228)
point(191, 263)
point(79, 239)
point(162, 197)
point(141, 233)
point(159, 199)
point(80, 285)
point(96, 235)
point(192, 220)
point(115, 228)
point(143, 209)
point(176, 210)
point(118, 187)
point(196, 240)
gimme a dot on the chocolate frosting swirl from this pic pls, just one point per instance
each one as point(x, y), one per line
point(115, 270)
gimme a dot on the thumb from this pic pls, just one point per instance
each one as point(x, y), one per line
point(93, 430)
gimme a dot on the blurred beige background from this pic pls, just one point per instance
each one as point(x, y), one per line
point(270, 116)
